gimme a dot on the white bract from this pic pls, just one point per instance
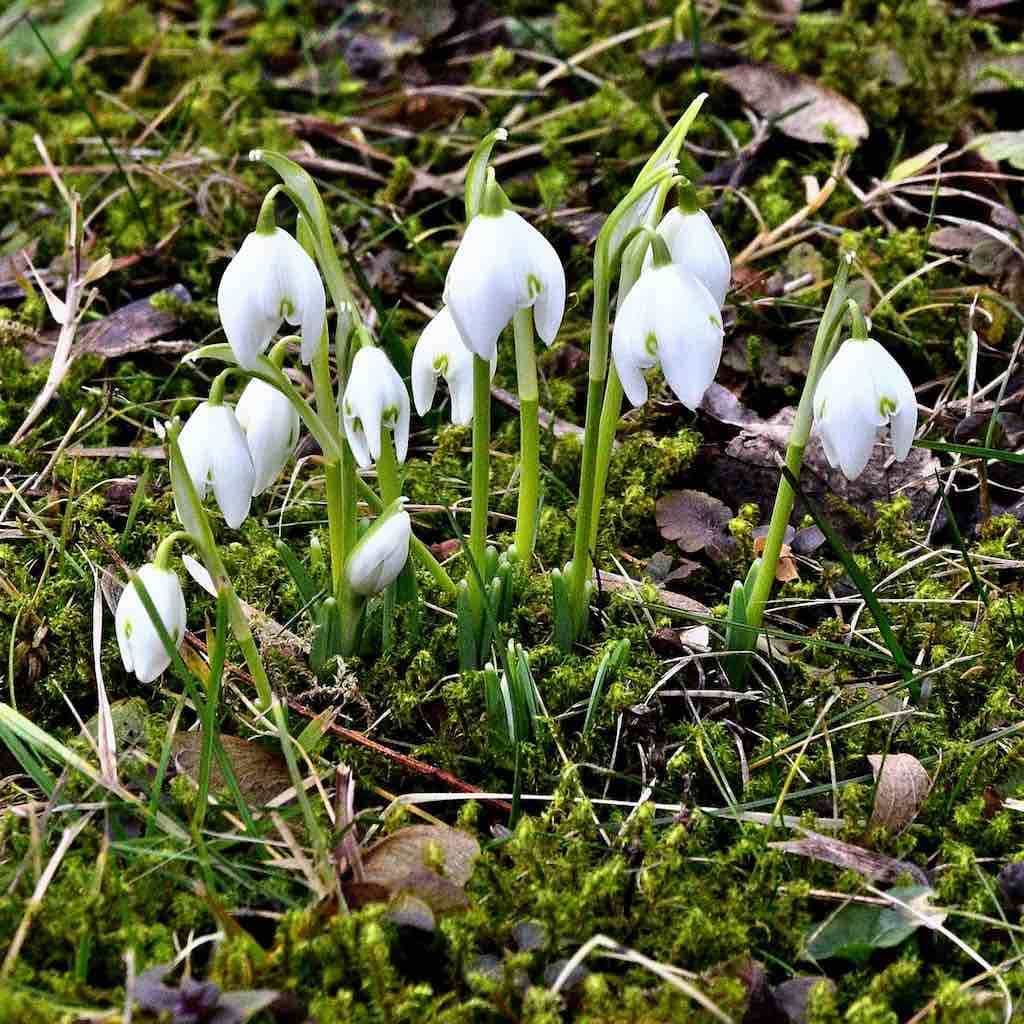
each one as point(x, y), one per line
point(863, 388)
point(271, 427)
point(670, 318)
point(375, 399)
point(271, 279)
point(695, 246)
point(142, 650)
point(217, 456)
point(381, 554)
point(502, 265)
point(441, 352)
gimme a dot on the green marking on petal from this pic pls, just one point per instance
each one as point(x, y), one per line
point(533, 285)
point(886, 406)
point(441, 365)
point(651, 344)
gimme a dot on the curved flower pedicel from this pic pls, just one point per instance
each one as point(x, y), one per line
point(670, 318)
point(142, 650)
point(695, 245)
point(217, 456)
point(441, 352)
point(271, 279)
point(381, 554)
point(271, 427)
point(375, 399)
point(502, 265)
point(863, 388)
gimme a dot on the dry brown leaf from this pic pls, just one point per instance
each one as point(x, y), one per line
point(901, 788)
point(876, 867)
point(403, 853)
point(261, 771)
point(785, 569)
point(773, 92)
point(694, 520)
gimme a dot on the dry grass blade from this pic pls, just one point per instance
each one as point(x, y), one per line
point(105, 739)
point(671, 975)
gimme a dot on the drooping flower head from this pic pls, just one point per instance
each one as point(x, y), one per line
point(382, 551)
point(862, 389)
point(271, 279)
point(142, 650)
point(271, 428)
point(695, 245)
point(217, 457)
point(441, 352)
point(669, 319)
point(375, 400)
point(503, 264)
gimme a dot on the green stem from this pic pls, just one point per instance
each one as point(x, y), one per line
point(165, 548)
point(481, 477)
point(581, 553)
point(824, 345)
point(387, 470)
point(610, 412)
point(202, 536)
point(529, 435)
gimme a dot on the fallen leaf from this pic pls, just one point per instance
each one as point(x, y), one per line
point(693, 519)
point(785, 568)
point(996, 146)
point(856, 930)
point(261, 771)
point(876, 867)
point(394, 857)
point(615, 583)
point(915, 164)
point(673, 56)
point(793, 997)
point(133, 328)
point(775, 93)
point(901, 788)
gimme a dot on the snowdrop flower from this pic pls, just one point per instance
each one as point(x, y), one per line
point(381, 554)
point(670, 318)
point(441, 352)
point(695, 246)
point(863, 388)
point(502, 265)
point(271, 428)
point(217, 456)
point(142, 650)
point(272, 278)
point(375, 398)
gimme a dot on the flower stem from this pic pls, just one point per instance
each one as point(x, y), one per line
point(581, 552)
point(164, 549)
point(828, 328)
point(387, 470)
point(529, 435)
point(202, 536)
point(481, 476)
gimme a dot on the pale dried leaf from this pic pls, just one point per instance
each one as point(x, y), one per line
point(901, 788)
point(876, 867)
point(391, 860)
point(775, 93)
point(693, 519)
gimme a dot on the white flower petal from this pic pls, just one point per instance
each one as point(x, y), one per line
point(271, 427)
point(689, 331)
point(668, 317)
point(381, 554)
point(142, 650)
point(231, 468)
point(503, 264)
point(271, 278)
point(375, 399)
point(695, 245)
